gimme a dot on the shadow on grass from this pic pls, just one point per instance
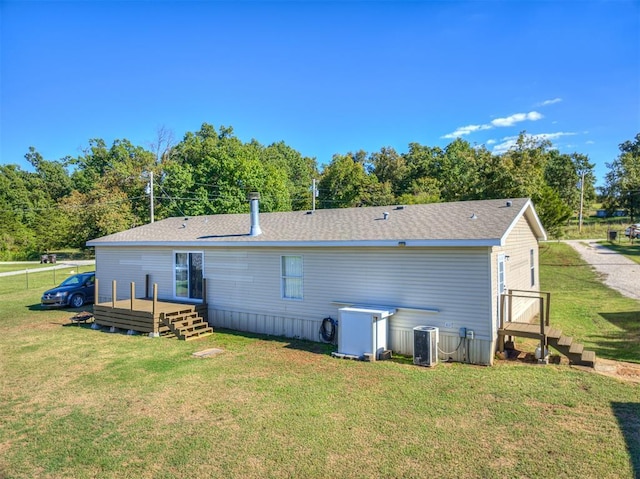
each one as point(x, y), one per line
point(621, 345)
point(628, 416)
point(39, 307)
point(289, 343)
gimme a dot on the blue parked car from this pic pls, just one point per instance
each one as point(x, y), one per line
point(74, 291)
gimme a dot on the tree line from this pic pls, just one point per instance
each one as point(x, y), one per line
point(66, 202)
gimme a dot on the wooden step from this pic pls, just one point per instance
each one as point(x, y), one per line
point(198, 333)
point(565, 341)
point(576, 348)
point(189, 329)
point(201, 334)
point(554, 333)
point(182, 317)
point(588, 358)
point(187, 322)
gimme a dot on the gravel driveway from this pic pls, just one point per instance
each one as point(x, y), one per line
point(618, 272)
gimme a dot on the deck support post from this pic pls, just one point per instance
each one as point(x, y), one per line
point(501, 336)
point(154, 309)
point(543, 333)
point(133, 293)
point(113, 294)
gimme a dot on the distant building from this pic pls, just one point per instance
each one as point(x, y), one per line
point(616, 213)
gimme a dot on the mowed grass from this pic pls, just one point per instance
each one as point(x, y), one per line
point(584, 308)
point(79, 403)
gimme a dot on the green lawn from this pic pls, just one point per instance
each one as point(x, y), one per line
point(79, 403)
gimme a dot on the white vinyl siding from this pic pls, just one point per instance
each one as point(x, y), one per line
point(292, 277)
point(444, 287)
point(127, 265)
point(522, 269)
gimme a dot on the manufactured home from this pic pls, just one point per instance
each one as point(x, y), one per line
point(442, 265)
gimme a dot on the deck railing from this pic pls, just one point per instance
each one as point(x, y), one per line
point(506, 305)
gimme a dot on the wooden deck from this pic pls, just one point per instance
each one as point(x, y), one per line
point(525, 330)
point(152, 316)
point(141, 315)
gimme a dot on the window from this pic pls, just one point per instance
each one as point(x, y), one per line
point(533, 268)
point(188, 275)
point(292, 277)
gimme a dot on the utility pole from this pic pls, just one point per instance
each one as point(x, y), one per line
point(313, 195)
point(151, 194)
point(581, 202)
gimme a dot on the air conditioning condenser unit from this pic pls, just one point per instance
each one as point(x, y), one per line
point(425, 345)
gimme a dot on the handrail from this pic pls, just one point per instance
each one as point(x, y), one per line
point(543, 296)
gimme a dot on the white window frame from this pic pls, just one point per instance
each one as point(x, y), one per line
point(173, 274)
point(284, 278)
point(532, 267)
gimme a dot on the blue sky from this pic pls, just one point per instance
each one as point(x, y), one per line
point(323, 77)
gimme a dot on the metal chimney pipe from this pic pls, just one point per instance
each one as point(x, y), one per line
point(254, 202)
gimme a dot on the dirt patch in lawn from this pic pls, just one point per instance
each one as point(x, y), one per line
point(624, 371)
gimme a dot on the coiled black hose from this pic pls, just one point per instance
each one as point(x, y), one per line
point(328, 329)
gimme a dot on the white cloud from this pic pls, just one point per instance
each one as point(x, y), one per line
point(590, 142)
point(498, 122)
point(491, 142)
point(517, 118)
point(465, 130)
point(552, 136)
point(549, 102)
point(509, 142)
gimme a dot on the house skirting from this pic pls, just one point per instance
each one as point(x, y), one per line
point(475, 351)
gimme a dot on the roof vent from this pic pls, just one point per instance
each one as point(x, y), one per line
point(509, 204)
point(385, 215)
point(254, 202)
point(474, 216)
point(399, 207)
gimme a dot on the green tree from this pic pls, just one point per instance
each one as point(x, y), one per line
point(552, 210)
point(564, 173)
point(300, 171)
point(622, 181)
point(53, 175)
point(211, 172)
point(519, 173)
point(461, 170)
point(390, 167)
point(345, 183)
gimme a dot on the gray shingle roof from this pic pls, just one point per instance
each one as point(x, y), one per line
point(468, 223)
